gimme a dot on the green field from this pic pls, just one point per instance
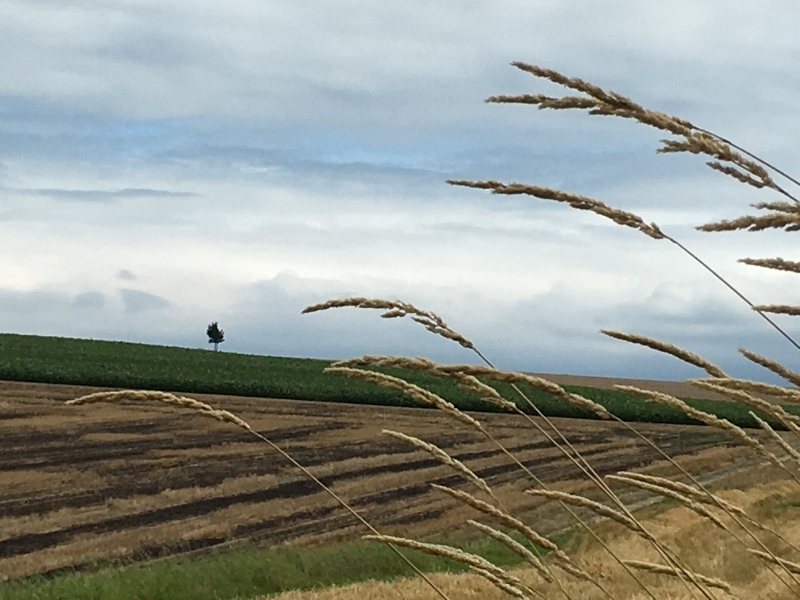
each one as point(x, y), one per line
point(251, 573)
point(141, 366)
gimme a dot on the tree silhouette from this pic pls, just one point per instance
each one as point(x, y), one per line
point(215, 335)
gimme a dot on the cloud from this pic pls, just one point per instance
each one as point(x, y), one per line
point(249, 159)
point(103, 195)
point(136, 301)
point(89, 300)
point(125, 275)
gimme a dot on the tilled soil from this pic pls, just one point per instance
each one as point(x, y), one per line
point(82, 484)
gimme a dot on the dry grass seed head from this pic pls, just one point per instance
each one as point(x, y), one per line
point(709, 419)
point(789, 222)
point(663, 491)
point(772, 365)
point(164, 398)
point(514, 545)
point(397, 309)
point(610, 103)
point(487, 392)
point(417, 393)
point(538, 383)
point(576, 201)
point(667, 348)
point(597, 507)
point(563, 561)
point(683, 488)
point(780, 309)
point(759, 387)
point(444, 458)
point(777, 264)
point(503, 585)
point(740, 394)
point(667, 570)
point(473, 560)
point(785, 446)
point(790, 566)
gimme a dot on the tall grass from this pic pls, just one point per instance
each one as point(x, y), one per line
point(559, 574)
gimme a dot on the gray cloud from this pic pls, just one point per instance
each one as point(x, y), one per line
point(213, 150)
point(125, 275)
point(103, 195)
point(136, 301)
point(89, 300)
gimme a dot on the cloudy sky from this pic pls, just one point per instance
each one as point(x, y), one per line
point(168, 164)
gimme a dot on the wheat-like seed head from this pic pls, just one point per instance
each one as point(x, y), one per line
point(164, 398)
point(667, 348)
point(758, 387)
point(663, 491)
point(667, 570)
point(707, 418)
point(685, 489)
point(789, 565)
point(505, 586)
point(417, 393)
point(396, 309)
point(607, 103)
point(704, 143)
point(789, 222)
point(597, 507)
point(772, 365)
point(564, 562)
point(741, 394)
point(514, 545)
point(777, 438)
point(576, 201)
point(487, 392)
point(464, 372)
point(695, 140)
point(778, 264)
point(737, 174)
point(781, 309)
point(444, 458)
point(473, 560)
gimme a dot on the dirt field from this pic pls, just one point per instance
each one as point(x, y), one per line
point(82, 484)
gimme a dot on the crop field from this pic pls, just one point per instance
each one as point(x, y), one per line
point(27, 358)
point(87, 484)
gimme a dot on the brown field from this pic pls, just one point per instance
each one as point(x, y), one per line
point(134, 483)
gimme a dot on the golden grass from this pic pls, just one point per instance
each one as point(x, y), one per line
point(716, 562)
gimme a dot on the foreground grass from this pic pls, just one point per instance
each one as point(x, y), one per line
point(770, 499)
point(246, 574)
point(142, 366)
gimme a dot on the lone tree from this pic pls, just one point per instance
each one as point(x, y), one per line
point(215, 335)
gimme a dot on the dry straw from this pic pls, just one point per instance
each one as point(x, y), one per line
point(514, 545)
point(225, 416)
point(444, 458)
point(562, 560)
point(397, 309)
point(667, 570)
point(772, 365)
point(757, 387)
point(740, 393)
point(459, 372)
point(512, 584)
point(778, 264)
point(667, 348)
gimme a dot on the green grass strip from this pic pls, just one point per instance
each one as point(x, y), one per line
point(250, 573)
point(141, 366)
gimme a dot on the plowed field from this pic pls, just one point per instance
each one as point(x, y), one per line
point(90, 483)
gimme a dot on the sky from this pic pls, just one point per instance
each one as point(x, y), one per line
point(164, 165)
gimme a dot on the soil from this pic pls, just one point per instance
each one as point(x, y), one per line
point(80, 485)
